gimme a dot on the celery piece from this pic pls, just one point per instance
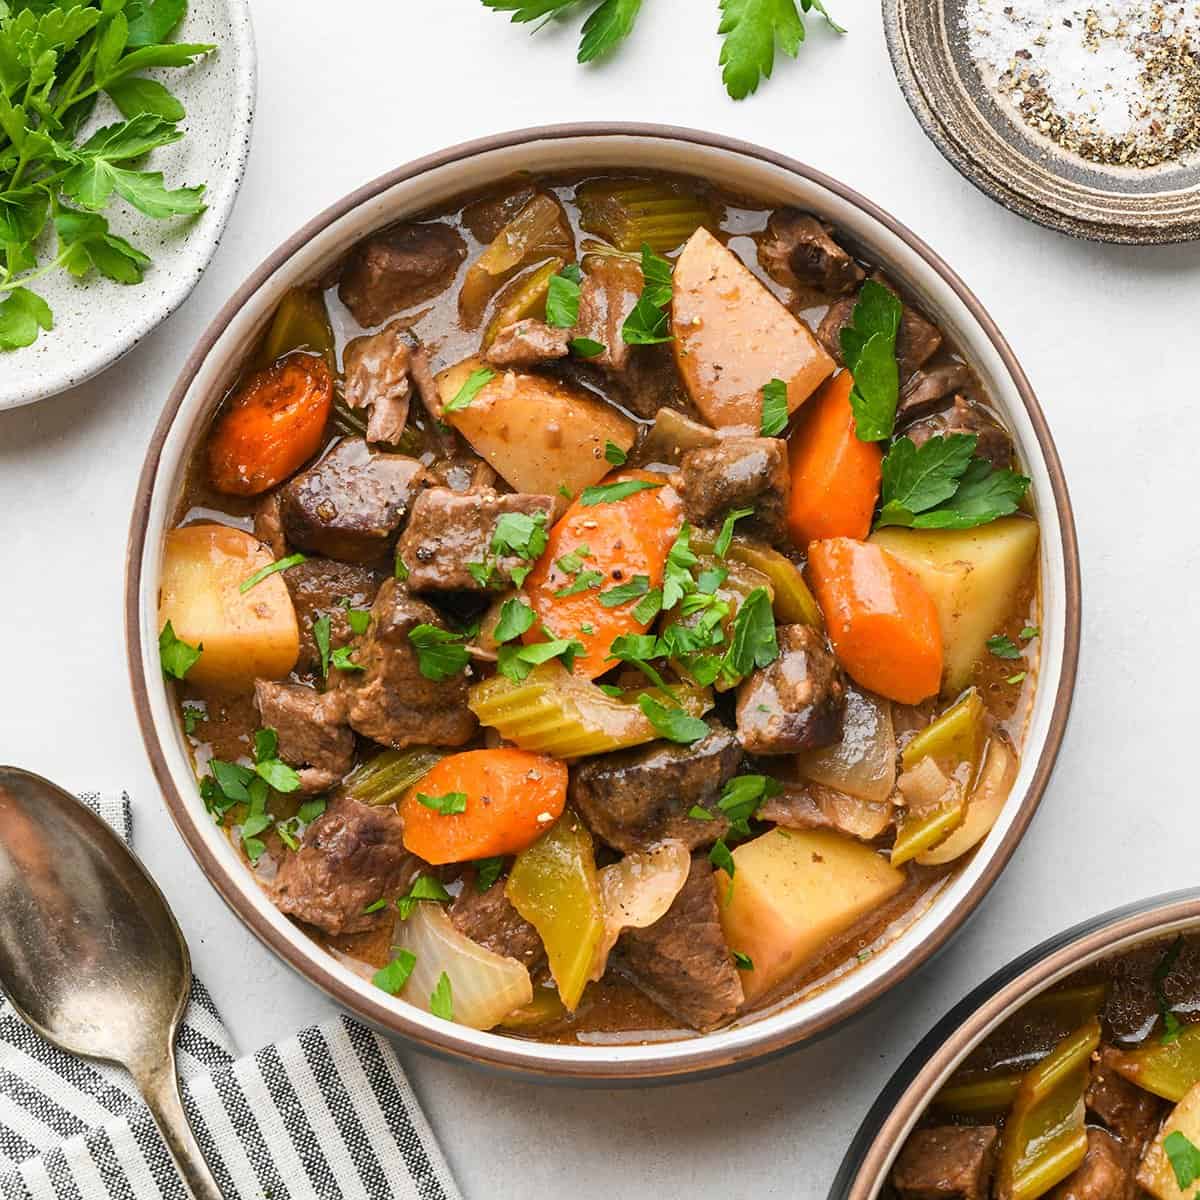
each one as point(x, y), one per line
point(525, 297)
point(631, 213)
point(387, 776)
point(300, 323)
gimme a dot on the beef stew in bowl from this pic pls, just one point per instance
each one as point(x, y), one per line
point(602, 606)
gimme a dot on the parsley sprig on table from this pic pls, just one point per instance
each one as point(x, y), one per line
point(58, 61)
point(751, 30)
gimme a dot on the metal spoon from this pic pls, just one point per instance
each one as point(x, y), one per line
point(90, 954)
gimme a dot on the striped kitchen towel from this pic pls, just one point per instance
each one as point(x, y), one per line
point(327, 1114)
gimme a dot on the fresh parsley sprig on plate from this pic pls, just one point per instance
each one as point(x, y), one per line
point(57, 63)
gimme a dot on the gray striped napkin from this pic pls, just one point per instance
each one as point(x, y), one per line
point(324, 1115)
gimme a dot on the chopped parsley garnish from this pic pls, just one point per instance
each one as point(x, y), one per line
point(752, 642)
point(774, 408)
point(257, 821)
point(269, 766)
point(639, 585)
point(722, 859)
point(1184, 1157)
point(483, 573)
point(193, 714)
point(583, 581)
point(475, 383)
point(648, 607)
point(341, 659)
point(515, 662)
point(741, 798)
point(708, 581)
point(378, 906)
point(587, 628)
point(521, 534)
point(565, 492)
point(586, 348)
point(440, 653)
point(672, 723)
point(637, 649)
point(322, 629)
point(611, 689)
point(425, 887)
point(1030, 631)
point(562, 300)
point(648, 324)
point(176, 655)
point(487, 871)
point(401, 571)
point(1172, 1026)
point(677, 576)
point(743, 962)
point(614, 454)
point(610, 493)
point(394, 976)
point(359, 619)
point(942, 485)
point(515, 618)
point(700, 814)
point(869, 350)
point(1017, 678)
point(281, 564)
point(448, 805)
point(572, 563)
point(310, 810)
point(441, 1003)
point(725, 537)
point(1000, 645)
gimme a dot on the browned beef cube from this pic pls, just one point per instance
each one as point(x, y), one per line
point(682, 961)
point(390, 700)
point(448, 530)
point(1130, 1112)
point(490, 919)
point(376, 369)
point(737, 473)
point(351, 504)
point(399, 268)
point(527, 343)
point(916, 342)
point(796, 703)
point(994, 443)
point(634, 798)
point(351, 856)
point(312, 730)
point(927, 389)
point(322, 587)
point(268, 525)
point(1107, 1172)
point(797, 252)
point(608, 294)
point(947, 1163)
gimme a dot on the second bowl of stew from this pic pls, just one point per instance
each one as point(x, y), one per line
point(603, 602)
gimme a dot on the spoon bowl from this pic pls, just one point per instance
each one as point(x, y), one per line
point(90, 954)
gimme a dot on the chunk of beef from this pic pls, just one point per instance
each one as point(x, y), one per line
point(811, 806)
point(321, 587)
point(351, 503)
point(489, 214)
point(399, 268)
point(489, 919)
point(796, 703)
point(794, 808)
point(737, 473)
point(527, 343)
point(351, 855)
point(916, 342)
point(926, 390)
point(1107, 1172)
point(994, 442)
point(947, 1163)
point(682, 961)
point(449, 530)
point(1132, 1113)
point(312, 730)
point(634, 798)
point(608, 294)
point(376, 369)
point(268, 525)
point(390, 700)
point(797, 252)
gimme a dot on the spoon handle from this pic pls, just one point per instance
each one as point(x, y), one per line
point(160, 1089)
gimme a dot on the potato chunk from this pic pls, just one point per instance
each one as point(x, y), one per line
point(793, 891)
point(972, 575)
point(245, 635)
point(538, 434)
point(1156, 1174)
point(732, 337)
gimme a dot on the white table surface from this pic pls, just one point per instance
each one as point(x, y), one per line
point(1106, 334)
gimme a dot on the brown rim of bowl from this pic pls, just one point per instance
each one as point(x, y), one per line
point(907, 1093)
point(607, 1068)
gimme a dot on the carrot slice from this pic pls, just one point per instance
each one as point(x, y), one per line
point(273, 425)
point(624, 539)
point(835, 477)
point(881, 621)
point(511, 798)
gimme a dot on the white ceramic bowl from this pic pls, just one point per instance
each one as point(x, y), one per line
point(741, 168)
point(96, 321)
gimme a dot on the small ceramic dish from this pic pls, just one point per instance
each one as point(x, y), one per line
point(902, 1102)
point(96, 321)
point(743, 169)
point(994, 149)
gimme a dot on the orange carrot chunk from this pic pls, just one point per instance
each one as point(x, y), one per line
point(881, 621)
point(483, 803)
point(272, 426)
point(835, 477)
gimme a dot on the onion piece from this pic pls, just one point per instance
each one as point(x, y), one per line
point(863, 763)
point(486, 987)
point(637, 891)
point(984, 806)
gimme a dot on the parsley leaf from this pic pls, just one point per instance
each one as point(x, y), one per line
point(741, 798)
point(774, 408)
point(639, 585)
point(441, 1003)
point(562, 300)
point(743, 962)
point(515, 618)
point(448, 805)
point(1184, 1157)
point(487, 871)
point(614, 454)
point(425, 887)
point(751, 29)
point(647, 324)
point(359, 619)
point(587, 348)
point(341, 659)
point(1002, 646)
point(193, 714)
point(475, 383)
point(571, 563)
point(672, 723)
point(177, 656)
point(608, 25)
point(725, 537)
point(377, 906)
point(268, 765)
point(515, 662)
point(440, 653)
point(700, 814)
point(869, 348)
point(394, 976)
point(752, 642)
point(22, 314)
point(677, 576)
point(322, 628)
point(648, 607)
point(582, 582)
point(610, 493)
point(722, 859)
point(1030, 631)
point(522, 534)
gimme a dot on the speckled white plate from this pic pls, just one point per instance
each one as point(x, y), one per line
point(96, 321)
